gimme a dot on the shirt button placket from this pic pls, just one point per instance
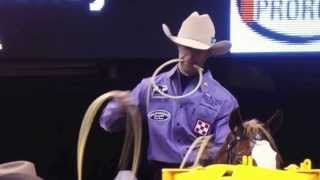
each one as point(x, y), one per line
point(178, 123)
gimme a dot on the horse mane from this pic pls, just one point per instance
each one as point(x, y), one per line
point(254, 126)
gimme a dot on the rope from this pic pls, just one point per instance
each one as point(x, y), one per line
point(133, 131)
point(156, 87)
point(203, 141)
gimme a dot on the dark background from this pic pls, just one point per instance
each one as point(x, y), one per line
point(58, 57)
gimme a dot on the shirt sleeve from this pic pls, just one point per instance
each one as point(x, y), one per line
point(112, 118)
point(222, 129)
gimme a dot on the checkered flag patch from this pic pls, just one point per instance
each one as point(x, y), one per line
point(201, 128)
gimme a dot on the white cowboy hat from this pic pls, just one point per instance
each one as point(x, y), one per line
point(18, 170)
point(198, 32)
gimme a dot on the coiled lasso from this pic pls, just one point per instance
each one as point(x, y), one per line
point(156, 72)
point(133, 132)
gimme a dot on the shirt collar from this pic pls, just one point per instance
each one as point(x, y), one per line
point(172, 73)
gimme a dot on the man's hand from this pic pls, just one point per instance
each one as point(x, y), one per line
point(123, 97)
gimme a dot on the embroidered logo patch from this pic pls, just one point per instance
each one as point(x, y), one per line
point(201, 128)
point(159, 115)
point(156, 94)
point(208, 99)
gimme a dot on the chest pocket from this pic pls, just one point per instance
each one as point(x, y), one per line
point(206, 111)
point(203, 118)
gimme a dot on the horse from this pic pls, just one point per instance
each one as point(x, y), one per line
point(251, 138)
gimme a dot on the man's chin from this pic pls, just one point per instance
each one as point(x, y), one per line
point(188, 69)
point(188, 65)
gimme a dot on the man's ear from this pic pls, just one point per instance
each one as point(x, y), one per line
point(235, 119)
point(275, 121)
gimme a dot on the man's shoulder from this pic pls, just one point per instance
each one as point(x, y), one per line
point(146, 81)
point(226, 99)
point(221, 93)
point(160, 77)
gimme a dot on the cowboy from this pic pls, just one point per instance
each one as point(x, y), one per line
point(174, 124)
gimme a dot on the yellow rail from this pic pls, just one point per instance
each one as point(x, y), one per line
point(244, 171)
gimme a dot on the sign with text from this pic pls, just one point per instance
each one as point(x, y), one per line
point(94, 5)
point(275, 26)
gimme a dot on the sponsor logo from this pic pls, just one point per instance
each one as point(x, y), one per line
point(289, 21)
point(156, 94)
point(159, 115)
point(201, 128)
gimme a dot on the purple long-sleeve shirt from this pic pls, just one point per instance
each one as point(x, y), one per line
point(175, 123)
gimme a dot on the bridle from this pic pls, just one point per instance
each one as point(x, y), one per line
point(230, 147)
point(236, 140)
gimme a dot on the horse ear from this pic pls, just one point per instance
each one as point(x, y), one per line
point(235, 119)
point(274, 123)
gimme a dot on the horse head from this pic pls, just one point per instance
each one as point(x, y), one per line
point(251, 138)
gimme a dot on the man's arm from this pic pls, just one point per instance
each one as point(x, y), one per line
point(113, 115)
point(222, 129)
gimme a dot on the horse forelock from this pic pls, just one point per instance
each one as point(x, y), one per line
point(252, 127)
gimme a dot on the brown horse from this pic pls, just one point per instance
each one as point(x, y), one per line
point(251, 138)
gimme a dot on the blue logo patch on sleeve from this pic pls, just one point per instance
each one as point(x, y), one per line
point(159, 115)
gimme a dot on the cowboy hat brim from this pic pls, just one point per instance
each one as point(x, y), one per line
point(18, 176)
point(219, 48)
point(23, 167)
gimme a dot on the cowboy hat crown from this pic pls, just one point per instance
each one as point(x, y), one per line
point(198, 32)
